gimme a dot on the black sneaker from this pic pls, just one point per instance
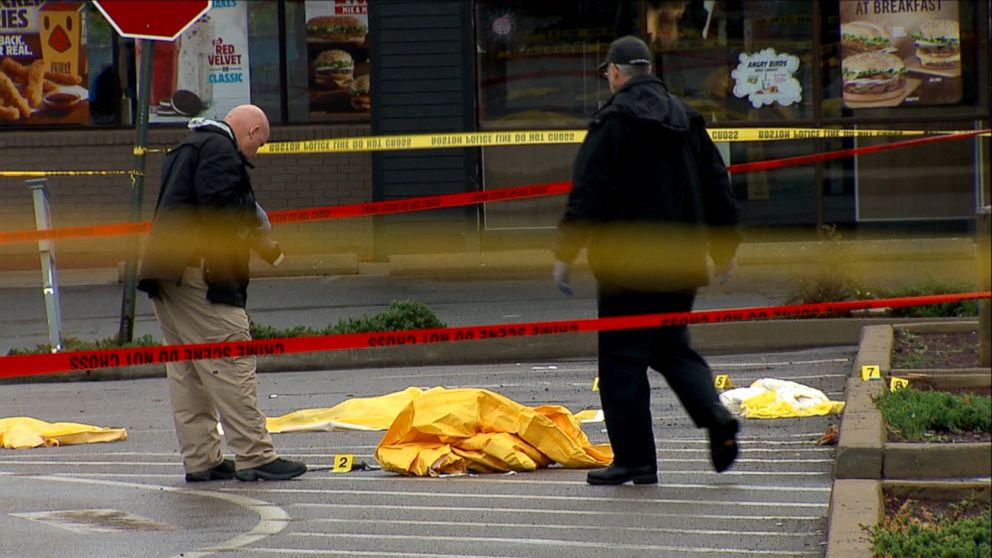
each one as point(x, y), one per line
point(278, 469)
point(224, 471)
point(616, 474)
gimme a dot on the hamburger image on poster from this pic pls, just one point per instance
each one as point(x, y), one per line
point(862, 36)
point(938, 44)
point(333, 69)
point(873, 76)
point(341, 29)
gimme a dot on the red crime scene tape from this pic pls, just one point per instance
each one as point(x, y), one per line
point(30, 365)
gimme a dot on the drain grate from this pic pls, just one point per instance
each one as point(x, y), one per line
point(96, 521)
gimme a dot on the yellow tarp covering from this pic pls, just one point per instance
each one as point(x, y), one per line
point(359, 413)
point(25, 432)
point(460, 430)
point(770, 398)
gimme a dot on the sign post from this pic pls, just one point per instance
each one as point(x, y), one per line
point(147, 21)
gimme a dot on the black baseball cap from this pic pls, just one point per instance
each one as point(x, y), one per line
point(627, 50)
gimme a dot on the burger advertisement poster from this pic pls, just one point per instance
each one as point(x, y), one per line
point(43, 73)
point(900, 53)
point(338, 58)
point(205, 71)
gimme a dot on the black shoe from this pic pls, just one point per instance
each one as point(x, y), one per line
point(279, 469)
point(615, 474)
point(723, 445)
point(224, 471)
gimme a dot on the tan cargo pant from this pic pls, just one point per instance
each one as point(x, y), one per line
point(201, 389)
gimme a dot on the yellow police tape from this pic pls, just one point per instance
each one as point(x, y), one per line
point(544, 137)
point(503, 138)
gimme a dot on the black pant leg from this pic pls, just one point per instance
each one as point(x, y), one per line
point(623, 384)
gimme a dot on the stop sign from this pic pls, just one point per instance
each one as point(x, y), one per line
point(161, 20)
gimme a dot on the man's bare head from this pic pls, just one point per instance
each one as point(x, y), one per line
point(250, 127)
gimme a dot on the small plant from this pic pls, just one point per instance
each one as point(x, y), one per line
point(914, 414)
point(76, 344)
point(916, 531)
point(830, 281)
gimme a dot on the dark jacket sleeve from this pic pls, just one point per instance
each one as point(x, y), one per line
point(220, 181)
point(719, 204)
point(594, 175)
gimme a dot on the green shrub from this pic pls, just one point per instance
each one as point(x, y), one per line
point(912, 413)
point(945, 310)
point(943, 536)
point(76, 344)
point(399, 315)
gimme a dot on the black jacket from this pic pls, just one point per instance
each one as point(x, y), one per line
point(204, 206)
point(650, 194)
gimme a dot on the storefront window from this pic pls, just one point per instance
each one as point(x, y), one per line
point(263, 47)
point(736, 60)
point(537, 60)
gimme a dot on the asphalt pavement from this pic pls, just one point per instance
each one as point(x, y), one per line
point(127, 498)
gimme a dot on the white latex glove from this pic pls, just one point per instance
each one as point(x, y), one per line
point(722, 273)
point(561, 277)
point(263, 218)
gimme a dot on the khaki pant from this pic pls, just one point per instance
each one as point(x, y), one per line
point(201, 389)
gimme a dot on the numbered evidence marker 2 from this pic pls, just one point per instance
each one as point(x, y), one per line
point(722, 381)
point(871, 372)
point(343, 463)
point(897, 383)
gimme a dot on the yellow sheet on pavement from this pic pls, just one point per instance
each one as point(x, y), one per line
point(26, 432)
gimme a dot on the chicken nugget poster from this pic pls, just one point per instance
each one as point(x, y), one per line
point(900, 53)
point(43, 63)
point(338, 59)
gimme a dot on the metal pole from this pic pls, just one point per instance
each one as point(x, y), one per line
point(46, 250)
point(984, 231)
point(126, 333)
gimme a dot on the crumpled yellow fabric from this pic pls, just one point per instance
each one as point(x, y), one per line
point(26, 432)
point(359, 413)
point(450, 431)
point(769, 398)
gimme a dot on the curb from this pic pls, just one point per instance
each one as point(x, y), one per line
point(865, 463)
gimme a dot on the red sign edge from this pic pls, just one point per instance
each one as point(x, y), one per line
point(151, 37)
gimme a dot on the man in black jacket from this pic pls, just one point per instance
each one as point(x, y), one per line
point(650, 198)
point(195, 269)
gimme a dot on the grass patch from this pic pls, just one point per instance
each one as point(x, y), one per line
point(75, 344)
point(964, 530)
point(399, 315)
point(916, 414)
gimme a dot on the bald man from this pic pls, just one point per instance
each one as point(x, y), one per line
point(195, 269)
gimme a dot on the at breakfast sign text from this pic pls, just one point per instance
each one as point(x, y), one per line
point(351, 7)
point(865, 7)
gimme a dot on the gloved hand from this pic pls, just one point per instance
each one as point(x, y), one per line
point(561, 277)
point(264, 225)
point(722, 272)
point(266, 248)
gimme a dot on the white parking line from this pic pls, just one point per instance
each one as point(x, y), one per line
point(582, 497)
point(551, 511)
point(554, 542)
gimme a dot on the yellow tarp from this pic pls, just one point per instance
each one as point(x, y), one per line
point(359, 413)
point(25, 432)
point(460, 430)
point(770, 398)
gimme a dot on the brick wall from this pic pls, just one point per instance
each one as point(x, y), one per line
point(280, 182)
